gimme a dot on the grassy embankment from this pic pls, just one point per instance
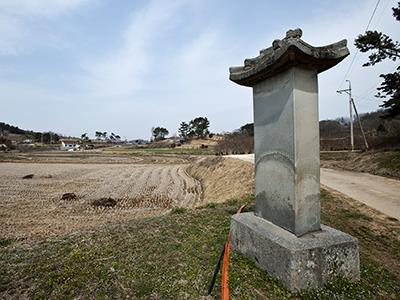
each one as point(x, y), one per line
point(383, 163)
point(173, 257)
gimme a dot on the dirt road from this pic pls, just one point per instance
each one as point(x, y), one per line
point(378, 192)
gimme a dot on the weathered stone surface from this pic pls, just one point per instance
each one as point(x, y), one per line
point(288, 52)
point(284, 235)
point(300, 263)
point(287, 150)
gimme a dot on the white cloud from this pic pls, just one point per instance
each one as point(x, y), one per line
point(18, 19)
point(121, 72)
point(158, 73)
point(199, 82)
point(199, 62)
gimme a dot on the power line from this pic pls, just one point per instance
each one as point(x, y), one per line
point(375, 86)
point(383, 11)
point(348, 69)
point(366, 99)
point(372, 16)
point(366, 92)
point(355, 55)
point(367, 107)
point(370, 105)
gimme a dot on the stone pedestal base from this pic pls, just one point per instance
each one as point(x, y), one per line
point(299, 262)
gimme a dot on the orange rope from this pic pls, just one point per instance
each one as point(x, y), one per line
point(225, 272)
point(225, 265)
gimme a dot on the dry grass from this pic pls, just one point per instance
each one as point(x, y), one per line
point(196, 143)
point(109, 155)
point(223, 178)
point(383, 163)
point(173, 257)
point(378, 234)
point(34, 208)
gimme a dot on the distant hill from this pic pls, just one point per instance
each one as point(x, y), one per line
point(16, 134)
point(334, 135)
point(380, 133)
point(6, 128)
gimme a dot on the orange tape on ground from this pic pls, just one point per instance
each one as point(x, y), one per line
point(225, 265)
point(225, 272)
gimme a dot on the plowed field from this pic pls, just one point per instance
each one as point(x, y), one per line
point(33, 208)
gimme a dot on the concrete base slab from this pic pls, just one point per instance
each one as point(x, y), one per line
point(303, 262)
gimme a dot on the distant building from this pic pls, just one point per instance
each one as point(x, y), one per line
point(138, 142)
point(67, 145)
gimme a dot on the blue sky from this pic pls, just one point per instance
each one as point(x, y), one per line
point(75, 66)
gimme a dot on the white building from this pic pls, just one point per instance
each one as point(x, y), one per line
point(69, 145)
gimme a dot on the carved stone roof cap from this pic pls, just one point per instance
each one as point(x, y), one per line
point(285, 53)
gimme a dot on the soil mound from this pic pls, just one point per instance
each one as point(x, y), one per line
point(104, 202)
point(69, 196)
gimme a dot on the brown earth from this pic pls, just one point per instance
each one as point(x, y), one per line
point(63, 198)
point(35, 208)
point(223, 178)
point(91, 157)
point(197, 143)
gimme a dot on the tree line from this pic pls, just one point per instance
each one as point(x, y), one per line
point(102, 136)
point(196, 128)
point(47, 137)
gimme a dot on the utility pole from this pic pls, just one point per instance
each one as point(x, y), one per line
point(359, 124)
point(351, 106)
point(348, 92)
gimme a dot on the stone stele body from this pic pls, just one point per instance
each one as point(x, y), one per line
point(284, 79)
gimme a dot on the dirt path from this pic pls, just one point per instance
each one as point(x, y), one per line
point(377, 192)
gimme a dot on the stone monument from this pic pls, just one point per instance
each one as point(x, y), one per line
point(284, 235)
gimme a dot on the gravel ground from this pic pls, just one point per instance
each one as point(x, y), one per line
point(33, 209)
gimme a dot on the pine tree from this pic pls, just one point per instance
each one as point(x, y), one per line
point(384, 48)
